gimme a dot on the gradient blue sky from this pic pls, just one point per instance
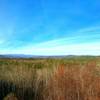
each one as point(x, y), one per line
point(50, 27)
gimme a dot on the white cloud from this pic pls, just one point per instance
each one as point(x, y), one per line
point(75, 49)
point(63, 46)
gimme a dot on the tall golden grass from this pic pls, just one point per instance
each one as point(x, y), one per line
point(58, 79)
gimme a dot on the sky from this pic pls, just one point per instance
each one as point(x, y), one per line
point(50, 27)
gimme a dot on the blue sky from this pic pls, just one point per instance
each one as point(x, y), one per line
point(50, 27)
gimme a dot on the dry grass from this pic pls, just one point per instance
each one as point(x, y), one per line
point(58, 79)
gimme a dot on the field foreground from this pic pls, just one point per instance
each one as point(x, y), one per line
point(76, 78)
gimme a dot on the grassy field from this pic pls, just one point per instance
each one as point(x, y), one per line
point(75, 78)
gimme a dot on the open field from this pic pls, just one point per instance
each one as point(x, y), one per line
point(74, 78)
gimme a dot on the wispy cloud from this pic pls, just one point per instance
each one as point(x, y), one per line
point(75, 49)
point(85, 35)
point(73, 45)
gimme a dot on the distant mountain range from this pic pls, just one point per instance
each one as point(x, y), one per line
point(37, 56)
point(16, 56)
point(31, 56)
